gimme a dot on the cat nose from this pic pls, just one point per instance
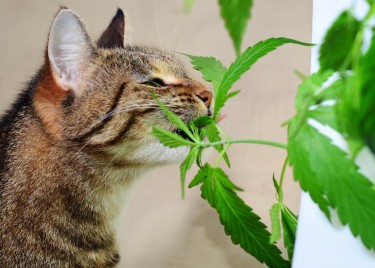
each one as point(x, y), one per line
point(205, 96)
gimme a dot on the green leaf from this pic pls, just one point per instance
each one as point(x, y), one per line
point(212, 69)
point(239, 220)
point(332, 179)
point(174, 119)
point(338, 42)
point(236, 14)
point(207, 187)
point(201, 176)
point(325, 115)
point(310, 92)
point(347, 114)
point(276, 184)
point(186, 165)
point(213, 136)
point(309, 89)
point(169, 138)
point(232, 94)
point(298, 153)
point(364, 114)
point(289, 221)
point(202, 121)
point(275, 223)
point(188, 4)
point(224, 180)
point(244, 62)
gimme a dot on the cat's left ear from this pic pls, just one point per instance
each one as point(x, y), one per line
point(70, 50)
point(114, 35)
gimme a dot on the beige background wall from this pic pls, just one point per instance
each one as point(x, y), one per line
point(159, 229)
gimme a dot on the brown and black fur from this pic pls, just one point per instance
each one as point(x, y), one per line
point(68, 151)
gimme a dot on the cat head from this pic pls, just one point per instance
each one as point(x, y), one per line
point(98, 96)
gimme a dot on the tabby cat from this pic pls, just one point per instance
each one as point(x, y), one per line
point(77, 136)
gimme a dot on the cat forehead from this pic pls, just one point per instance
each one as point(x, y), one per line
point(147, 60)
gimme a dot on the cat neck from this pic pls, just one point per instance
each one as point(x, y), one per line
point(62, 181)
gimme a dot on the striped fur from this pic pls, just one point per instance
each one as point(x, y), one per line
point(70, 151)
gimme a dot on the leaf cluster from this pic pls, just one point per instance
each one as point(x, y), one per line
point(346, 82)
point(340, 97)
point(240, 222)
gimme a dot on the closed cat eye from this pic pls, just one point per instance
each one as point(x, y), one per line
point(155, 82)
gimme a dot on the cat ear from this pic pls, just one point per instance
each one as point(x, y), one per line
point(69, 49)
point(114, 35)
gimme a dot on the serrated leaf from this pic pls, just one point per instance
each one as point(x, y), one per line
point(332, 178)
point(236, 14)
point(298, 153)
point(347, 115)
point(224, 180)
point(200, 177)
point(364, 114)
point(202, 121)
point(169, 138)
point(244, 62)
point(325, 115)
point(232, 94)
point(207, 187)
point(186, 165)
point(275, 223)
point(307, 91)
point(334, 90)
point(213, 136)
point(338, 42)
point(174, 119)
point(240, 222)
point(307, 95)
point(289, 222)
point(212, 69)
point(275, 184)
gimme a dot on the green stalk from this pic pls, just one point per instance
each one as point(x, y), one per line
point(221, 155)
point(263, 142)
point(280, 190)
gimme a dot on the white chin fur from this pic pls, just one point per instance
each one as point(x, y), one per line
point(157, 153)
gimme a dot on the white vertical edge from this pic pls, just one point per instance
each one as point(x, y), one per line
point(318, 242)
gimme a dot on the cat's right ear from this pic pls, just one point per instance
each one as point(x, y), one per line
point(114, 35)
point(69, 50)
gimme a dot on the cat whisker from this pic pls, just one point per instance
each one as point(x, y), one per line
point(157, 25)
point(177, 43)
point(80, 150)
point(132, 107)
point(113, 159)
point(107, 116)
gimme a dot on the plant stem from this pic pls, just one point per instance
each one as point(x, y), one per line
point(222, 153)
point(222, 132)
point(280, 191)
point(263, 142)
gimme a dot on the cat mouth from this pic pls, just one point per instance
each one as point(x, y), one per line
point(182, 134)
